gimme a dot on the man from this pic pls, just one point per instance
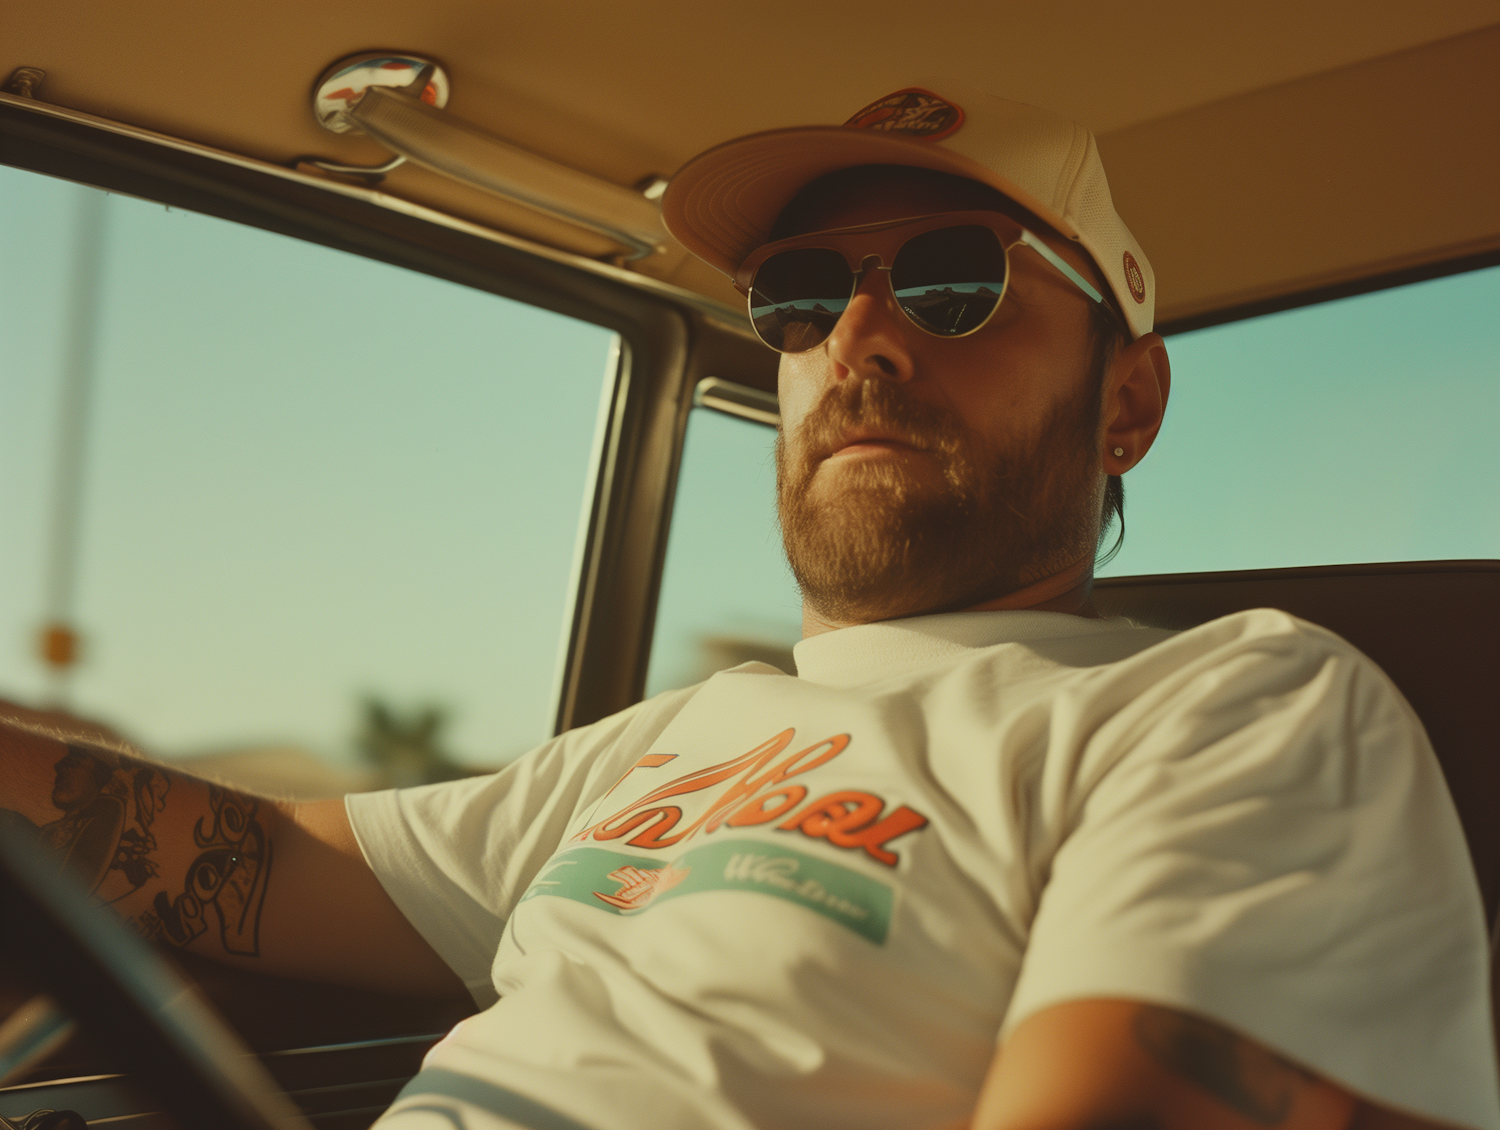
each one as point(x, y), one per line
point(987, 860)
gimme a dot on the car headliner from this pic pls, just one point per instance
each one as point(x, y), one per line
point(1260, 152)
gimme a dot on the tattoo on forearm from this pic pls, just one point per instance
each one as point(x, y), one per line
point(104, 837)
point(229, 875)
point(1239, 1073)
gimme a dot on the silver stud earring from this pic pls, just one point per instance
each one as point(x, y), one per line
point(1119, 451)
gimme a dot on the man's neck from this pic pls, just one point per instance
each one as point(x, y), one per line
point(1069, 591)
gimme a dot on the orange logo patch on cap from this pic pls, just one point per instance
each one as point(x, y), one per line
point(1134, 279)
point(915, 112)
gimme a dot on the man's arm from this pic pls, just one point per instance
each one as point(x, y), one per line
point(273, 886)
point(1124, 1065)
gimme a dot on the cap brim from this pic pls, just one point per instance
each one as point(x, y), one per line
point(721, 204)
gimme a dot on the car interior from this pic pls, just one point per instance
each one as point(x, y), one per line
point(1274, 159)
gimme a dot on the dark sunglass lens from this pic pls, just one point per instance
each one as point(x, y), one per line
point(798, 295)
point(950, 280)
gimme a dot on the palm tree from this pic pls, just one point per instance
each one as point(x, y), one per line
point(406, 750)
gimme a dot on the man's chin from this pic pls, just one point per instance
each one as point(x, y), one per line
point(870, 597)
point(864, 553)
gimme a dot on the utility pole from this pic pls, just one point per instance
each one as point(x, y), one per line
point(59, 636)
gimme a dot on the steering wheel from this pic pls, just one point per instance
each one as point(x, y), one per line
point(130, 1001)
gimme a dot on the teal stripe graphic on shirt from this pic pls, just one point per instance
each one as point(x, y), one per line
point(631, 884)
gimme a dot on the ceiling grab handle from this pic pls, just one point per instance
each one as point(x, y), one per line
point(436, 140)
point(397, 100)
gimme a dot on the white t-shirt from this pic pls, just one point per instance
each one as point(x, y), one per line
point(820, 901)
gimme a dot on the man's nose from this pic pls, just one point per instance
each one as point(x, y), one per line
point(871, 339)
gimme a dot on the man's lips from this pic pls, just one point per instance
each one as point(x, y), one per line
point(870, 443)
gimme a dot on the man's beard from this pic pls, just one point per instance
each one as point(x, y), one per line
point(887, 543)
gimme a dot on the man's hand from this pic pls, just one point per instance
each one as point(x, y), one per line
point(1124, 1065)
point(277, 887)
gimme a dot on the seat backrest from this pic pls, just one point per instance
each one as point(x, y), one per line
point(1433, 626)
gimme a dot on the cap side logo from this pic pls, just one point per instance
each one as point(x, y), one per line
point(914, 112)
point(1134, 279)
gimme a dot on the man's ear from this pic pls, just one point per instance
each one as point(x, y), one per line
point(1135, 399)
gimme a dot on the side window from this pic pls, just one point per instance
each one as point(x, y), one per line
point(1349, 431)
point(312, 517)
point(727, 595)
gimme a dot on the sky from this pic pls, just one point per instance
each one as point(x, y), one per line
point(725, 573)
point(309, 477)
point(1355, 430)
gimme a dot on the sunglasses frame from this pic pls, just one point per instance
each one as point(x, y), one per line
point(889, 237)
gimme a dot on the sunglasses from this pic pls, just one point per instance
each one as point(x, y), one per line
point(948, 273)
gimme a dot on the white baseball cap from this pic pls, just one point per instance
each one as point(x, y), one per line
point(722, 203)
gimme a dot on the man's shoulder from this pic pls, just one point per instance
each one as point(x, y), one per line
point(1268, 630)
point(1263, 654)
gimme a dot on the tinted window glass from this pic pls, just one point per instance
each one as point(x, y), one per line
point(727, 594)
point(308, 480)
point(1357, 430)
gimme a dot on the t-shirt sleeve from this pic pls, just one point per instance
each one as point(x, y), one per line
point(1263, 836)
point(455, 857)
